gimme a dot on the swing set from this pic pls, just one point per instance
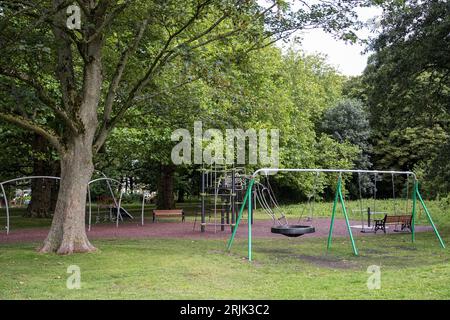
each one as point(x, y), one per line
point(377, 220)
point(281, 225)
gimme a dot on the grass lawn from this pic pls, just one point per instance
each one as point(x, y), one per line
point(283, 268)
point(186, 269)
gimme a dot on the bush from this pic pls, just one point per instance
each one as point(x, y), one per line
point(444, 202)
point(131, 198)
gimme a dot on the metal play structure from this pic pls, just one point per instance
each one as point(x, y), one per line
point(5, 196)
point(338, 198)
point(222, 191)
point(117, 203)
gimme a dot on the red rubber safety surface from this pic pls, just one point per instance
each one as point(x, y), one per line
point(179, 230)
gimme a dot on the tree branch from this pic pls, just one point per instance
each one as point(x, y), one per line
point(168, 55)
point(113, 87)
point(41, 93)
point(165, 55)
point(144, 80)
point(29, 125)
point(64, 66)
point(101, 8)
point(101, 138)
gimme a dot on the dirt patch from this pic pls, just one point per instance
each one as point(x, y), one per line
point(374, 251)
point(406, 248)
point(328, 262)
point(324, 261)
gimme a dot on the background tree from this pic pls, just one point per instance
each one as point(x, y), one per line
point(406, 86)
point(26, 153)
point(312, 86)
point(244, 93)
point(43, 191)
point(348, 120)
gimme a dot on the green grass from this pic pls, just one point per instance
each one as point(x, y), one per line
point(283, 268)
point(201, 269)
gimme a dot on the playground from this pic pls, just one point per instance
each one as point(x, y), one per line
point(205, 149)
point(198, 267)
point(139, 256)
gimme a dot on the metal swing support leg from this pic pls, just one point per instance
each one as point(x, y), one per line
point(413, 213)
point(339, 197)
point(430, 220)
point(247, 198)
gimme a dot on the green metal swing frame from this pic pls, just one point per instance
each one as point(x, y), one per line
point(339, 197)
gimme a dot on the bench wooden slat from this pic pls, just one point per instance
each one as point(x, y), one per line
point(168, 213)
point(398, 218)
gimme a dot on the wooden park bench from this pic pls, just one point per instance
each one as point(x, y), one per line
point(404, 220)
point(168, 213)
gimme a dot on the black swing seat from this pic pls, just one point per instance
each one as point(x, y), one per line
point(293, 230)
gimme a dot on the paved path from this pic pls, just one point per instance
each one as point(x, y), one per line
point(174, 229)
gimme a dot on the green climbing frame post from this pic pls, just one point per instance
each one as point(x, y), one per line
point(333, 213)
point(340, 197)
point(413, 213)
point(249, 222)
point(241, 211)
point(347, 222)
point(430, 220)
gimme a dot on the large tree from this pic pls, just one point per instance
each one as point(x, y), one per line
point(88, 78)
point(407, 88)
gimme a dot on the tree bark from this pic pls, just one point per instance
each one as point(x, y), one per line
point(41, 199)
point(67, 233)
point(181, 194)
point(165, 195)
point(43, 191)
point(131, 184)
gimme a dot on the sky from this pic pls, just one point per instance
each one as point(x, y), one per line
point(347, 58)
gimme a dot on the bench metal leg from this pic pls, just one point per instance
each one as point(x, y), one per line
point(379, 226)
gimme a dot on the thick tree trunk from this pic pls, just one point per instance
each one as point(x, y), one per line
point(41, 199)
point(131, 184)
point(181, 194)
point(165, 197)
point(68, 234)
point(43, 191)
